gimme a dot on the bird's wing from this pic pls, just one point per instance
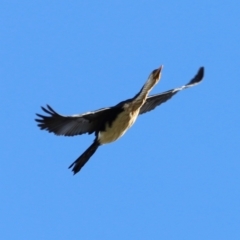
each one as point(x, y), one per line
point(70, 125)
point(155, 100)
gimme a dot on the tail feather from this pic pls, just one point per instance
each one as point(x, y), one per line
point(80, 162)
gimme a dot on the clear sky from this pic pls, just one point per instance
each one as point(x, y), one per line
point(175, 174)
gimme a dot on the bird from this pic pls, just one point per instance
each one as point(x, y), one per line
point(111, 123)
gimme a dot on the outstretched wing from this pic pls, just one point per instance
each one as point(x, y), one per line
point(70, 125)
point(155, 100)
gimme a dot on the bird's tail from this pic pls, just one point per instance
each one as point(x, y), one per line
point(80, 162)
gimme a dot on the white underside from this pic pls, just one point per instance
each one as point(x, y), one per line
point(126, 118)
point(121, 124)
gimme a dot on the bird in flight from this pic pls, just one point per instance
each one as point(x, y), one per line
point(109, 124)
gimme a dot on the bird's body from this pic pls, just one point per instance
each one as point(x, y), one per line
point(109, 124)
point(113, 131)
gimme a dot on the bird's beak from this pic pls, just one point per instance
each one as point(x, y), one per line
point(157, 73)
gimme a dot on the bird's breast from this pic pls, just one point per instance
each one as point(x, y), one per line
point(118, 127)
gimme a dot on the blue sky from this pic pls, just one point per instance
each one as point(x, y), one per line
point(174, 174)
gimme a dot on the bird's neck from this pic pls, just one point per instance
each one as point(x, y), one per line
point(141, 97)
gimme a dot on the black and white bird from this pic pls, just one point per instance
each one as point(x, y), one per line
point(110, 123)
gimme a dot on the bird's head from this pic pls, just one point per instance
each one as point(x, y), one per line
point(156, 74)
point(152, 80)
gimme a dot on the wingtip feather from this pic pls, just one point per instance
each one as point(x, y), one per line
point(198, 78)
